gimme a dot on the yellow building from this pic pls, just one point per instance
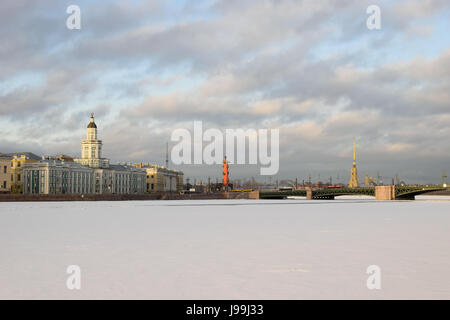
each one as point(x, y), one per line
point(17, 162)
point(368, 181)
point(162, 179)
point(5, 175)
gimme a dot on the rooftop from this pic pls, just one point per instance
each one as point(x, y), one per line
point(28, 155)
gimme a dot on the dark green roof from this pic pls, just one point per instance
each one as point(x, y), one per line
point(92, 125)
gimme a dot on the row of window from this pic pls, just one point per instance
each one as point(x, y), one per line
point(78, 182)
point(12, 165)
point(18, 177)
point(58, 182)
point(5, 168)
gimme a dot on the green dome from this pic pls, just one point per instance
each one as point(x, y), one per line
point(92, 125)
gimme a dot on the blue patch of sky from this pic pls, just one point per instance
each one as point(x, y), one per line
point(372, 49)
point(25, 80)
point(191, 10)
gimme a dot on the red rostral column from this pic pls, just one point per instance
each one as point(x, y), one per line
point(226, 173)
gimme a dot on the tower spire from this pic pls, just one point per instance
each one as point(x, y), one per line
point(353, 183)
point(167, 155)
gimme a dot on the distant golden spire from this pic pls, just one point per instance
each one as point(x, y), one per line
point(353, 183)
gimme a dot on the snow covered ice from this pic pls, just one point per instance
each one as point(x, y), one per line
point(226, 249)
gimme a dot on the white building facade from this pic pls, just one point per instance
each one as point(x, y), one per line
point(89, 174)
point(57, 177)
point(120, 179)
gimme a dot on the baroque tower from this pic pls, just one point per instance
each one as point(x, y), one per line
point(91, 148)
point(354, 172)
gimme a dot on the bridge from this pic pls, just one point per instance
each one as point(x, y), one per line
point(379, 192)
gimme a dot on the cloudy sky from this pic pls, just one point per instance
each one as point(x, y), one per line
point(308, 67)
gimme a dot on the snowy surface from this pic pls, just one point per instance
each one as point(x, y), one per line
point(226, 249)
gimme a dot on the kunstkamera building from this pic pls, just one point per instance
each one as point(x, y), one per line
point(89, 174)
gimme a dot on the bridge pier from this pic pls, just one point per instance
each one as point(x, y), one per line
point(309, 193)
point(254, 195)
point(385, 193)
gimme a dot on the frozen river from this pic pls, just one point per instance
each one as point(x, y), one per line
point(226, 249)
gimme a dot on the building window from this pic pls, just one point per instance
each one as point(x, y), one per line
point(18, 177)
point(4, 184)
point(4, 169)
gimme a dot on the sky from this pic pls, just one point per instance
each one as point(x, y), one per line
point(310, 68)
